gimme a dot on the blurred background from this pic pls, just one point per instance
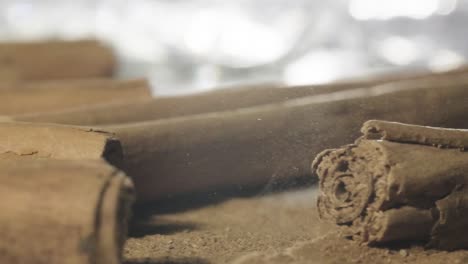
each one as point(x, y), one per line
point(197, 158)
point(189, 46)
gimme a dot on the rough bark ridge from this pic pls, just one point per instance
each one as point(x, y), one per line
point(398, 182)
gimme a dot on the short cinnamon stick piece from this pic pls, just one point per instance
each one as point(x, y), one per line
point(48, 141)
point(63, 212)
point(398, 182)
point(57, 59)
point(46, 96)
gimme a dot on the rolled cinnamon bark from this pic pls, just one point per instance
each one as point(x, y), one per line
point(257, 145)
point(58, 212)
point(252, 146)
point(57, 59)
point(220, 100)
point(398, 182)
point(44, 96)
point(167, 107)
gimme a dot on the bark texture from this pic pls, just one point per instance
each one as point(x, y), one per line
point(47, 141)
point(57, 59)
point(219, 100)
point(8, 75)
point(45, 96)
point(398, 182)
point(168, 107)
point(62, 212)
point(258, 145)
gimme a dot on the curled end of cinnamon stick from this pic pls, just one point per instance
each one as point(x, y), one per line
point(112, 217)
point(398, 182)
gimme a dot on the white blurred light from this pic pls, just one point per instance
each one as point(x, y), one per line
point(446, 7)
point(137, 46)
point(316, 67)
point(253, 42)
point(25, 23)
point(386, 9)
point(230, 37)
point(202, 33)
point(206, 78)
point(444, 60)
point(399, 50)
point(19, 10)
point(160, 20)
point(107, 23)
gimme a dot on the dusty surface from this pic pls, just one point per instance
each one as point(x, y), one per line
point(275, 228)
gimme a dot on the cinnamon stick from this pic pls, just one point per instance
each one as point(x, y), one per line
point(60, 212)
point(398, 182)
point(57, 59)
point(253, 146)
point(256, 145)
point(219, 100)
point(48, 141)
point(44, 96)
point(173, 106)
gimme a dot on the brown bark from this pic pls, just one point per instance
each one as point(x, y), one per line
point(8, 75)
point(257, 145)
point(253, 146)
point(398, 183)
point(44, 96)
point(168, 107)
point(58, 142)
point(221, 100)
point(57, 59)
point(62, 212)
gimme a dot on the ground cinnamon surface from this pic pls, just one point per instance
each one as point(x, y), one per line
point(273, 228)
